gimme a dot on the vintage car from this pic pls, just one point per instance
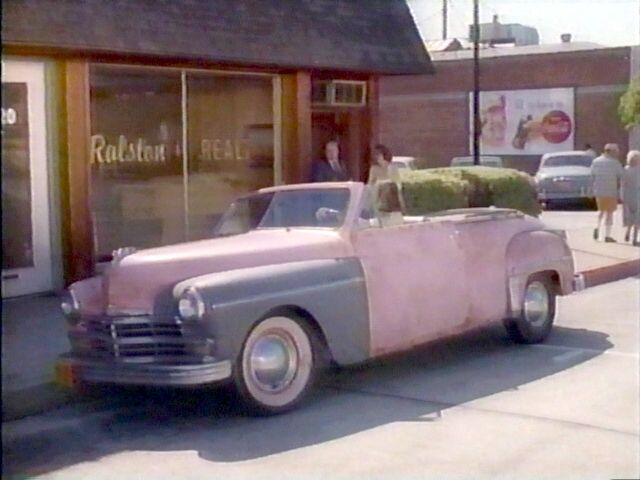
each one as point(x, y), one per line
point(564, 176)
point(299, 276)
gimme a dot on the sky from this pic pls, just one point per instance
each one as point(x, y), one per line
point(607, 22)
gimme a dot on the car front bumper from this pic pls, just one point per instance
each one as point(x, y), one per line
point(71, 371)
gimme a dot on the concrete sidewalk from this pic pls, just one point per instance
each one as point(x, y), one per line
point(33, 329)
point(599, 262)
point(33, 335)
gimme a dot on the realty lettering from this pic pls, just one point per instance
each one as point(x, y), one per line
point(126, 152)
point(219, 149)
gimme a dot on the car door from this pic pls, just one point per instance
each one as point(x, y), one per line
point(484, 242)
point(415, 282)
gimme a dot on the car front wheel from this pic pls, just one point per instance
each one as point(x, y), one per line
point(277, 365)
point(538, 311)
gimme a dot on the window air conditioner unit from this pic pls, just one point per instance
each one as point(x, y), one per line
point(339, 93)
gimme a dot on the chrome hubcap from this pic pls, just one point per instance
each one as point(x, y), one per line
point(273, 362)
point(536, 304)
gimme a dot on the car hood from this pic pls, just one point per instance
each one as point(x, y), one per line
point(133, 284)
point(569, 171)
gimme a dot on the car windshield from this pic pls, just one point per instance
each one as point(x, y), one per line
point(568, 161)
point(314, 208)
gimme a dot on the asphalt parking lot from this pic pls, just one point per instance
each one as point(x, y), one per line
point(473, 407)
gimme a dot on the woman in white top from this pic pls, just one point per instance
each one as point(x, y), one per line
point(631, 196)
point(383, 171)
point(381, 168)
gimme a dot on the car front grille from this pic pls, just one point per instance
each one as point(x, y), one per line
point(134, 339)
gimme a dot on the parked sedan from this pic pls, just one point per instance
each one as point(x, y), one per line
point(302, 275)
point(564, 176)
point(408, 163)
point(485, 161)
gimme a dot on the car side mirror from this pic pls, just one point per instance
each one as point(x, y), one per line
point(328, 217)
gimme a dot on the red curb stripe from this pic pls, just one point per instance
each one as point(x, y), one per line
point(611, 273)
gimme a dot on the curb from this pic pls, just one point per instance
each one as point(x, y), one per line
point(611, 273)
point(41, 398)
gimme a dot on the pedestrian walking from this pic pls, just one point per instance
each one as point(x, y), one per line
point(606, 177)
point(331, 168)
point(631, 197)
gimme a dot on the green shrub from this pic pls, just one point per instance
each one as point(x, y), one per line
point(481, 187)
point(478, 187)
point(515, 191)
point(426, 192)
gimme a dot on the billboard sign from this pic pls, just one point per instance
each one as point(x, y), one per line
point(525, 122)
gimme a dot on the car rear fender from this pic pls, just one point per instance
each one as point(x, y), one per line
point(533, 252)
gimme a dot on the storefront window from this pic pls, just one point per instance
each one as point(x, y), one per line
point(147, 190)
point(136, 159)
point(230, 132)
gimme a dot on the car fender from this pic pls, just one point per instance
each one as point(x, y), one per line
point(537, 251)
point(333, 292)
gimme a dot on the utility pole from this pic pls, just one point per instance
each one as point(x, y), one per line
point(476, 83)
point(444, 19)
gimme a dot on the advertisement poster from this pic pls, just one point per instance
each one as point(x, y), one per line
point(525, 122)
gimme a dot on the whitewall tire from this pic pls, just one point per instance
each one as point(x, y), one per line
point(538, 311)
point(277, 365)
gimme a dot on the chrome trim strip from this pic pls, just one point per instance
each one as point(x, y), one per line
point(113, 311)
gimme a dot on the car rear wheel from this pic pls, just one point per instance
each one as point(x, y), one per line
point(277, 366)
point(538, 311)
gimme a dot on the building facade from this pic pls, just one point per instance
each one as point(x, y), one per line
point(533, 99)
point(131, 123)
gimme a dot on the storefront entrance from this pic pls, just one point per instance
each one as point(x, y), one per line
point(347, 128)
point(26, 242)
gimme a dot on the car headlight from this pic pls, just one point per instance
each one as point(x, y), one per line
point(70, 307)
point(190, 305)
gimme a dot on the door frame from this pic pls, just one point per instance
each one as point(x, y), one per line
point(347, 125)
point(39, 278)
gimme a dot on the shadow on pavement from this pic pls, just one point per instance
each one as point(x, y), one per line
point(416, 386)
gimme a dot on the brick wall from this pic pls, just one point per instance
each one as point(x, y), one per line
point(427, 116)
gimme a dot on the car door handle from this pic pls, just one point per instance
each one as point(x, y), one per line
point(10, 276)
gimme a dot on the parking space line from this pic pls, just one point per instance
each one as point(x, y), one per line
point(586, 350)
point(465, 406)
point(570, 355)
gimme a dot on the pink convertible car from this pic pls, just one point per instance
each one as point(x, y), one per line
point(298, 276)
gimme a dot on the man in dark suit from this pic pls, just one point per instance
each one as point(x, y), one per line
point(331, 169)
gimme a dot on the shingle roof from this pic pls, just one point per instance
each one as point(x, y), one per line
point(372, 36)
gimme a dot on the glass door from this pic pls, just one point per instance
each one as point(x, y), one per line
point(26, 245)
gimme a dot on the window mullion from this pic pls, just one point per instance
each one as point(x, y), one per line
point(185, 156)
